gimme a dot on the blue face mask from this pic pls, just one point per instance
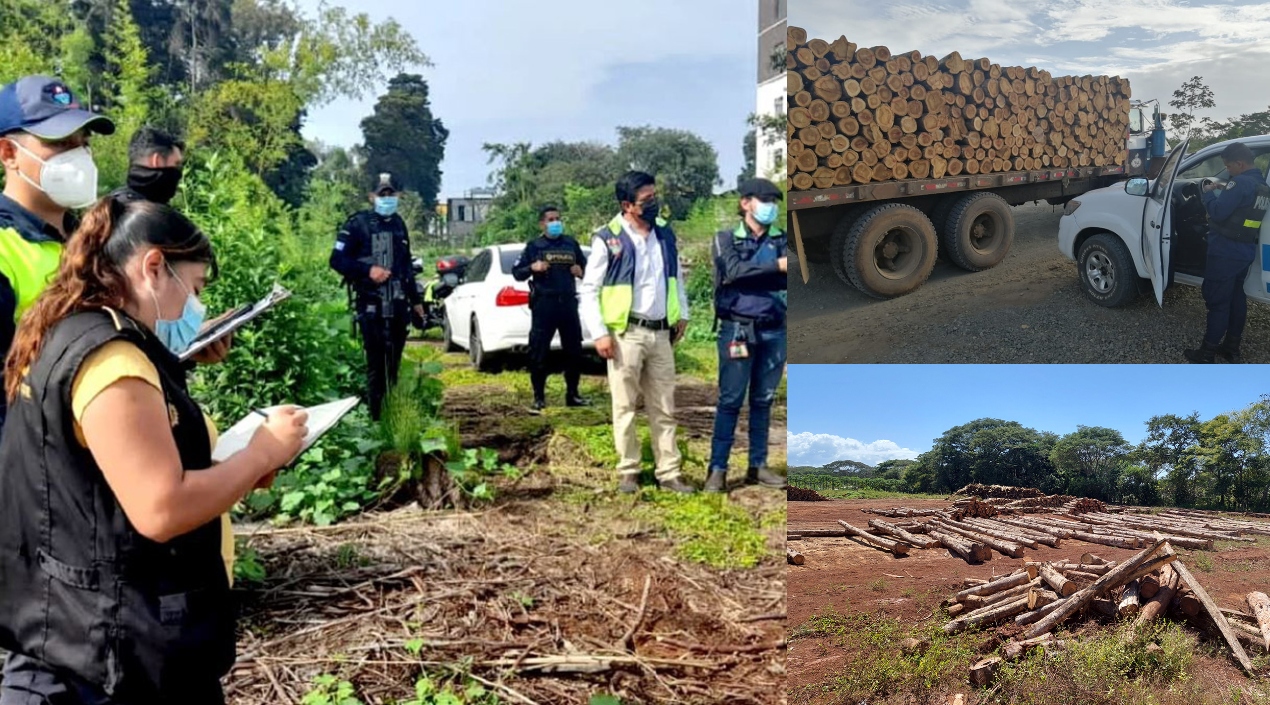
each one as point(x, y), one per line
point(177, 335)
point(555, 228)
point(765, 213)
point(385, 205)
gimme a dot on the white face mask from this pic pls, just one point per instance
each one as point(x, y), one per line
point(69, 179)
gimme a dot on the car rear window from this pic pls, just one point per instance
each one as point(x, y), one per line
point(508, 258)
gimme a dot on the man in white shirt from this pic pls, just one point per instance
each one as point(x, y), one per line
point(632, 289)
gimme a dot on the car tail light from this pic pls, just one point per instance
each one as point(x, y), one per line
point(511, 296)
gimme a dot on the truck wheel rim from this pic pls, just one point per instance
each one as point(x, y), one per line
point(898, 253)
point(985, 232)
point(1099, 272)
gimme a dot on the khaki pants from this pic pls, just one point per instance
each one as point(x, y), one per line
point(644, 365)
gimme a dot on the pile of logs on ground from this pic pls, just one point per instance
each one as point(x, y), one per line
point(903, 512)
point(975, 489)
point(1084, 504)
point(861, 114)
point(1149, 585)
point(973, 507)
point(798, 494)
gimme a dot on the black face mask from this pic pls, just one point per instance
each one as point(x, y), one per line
point(158, 185)
point(650, 212)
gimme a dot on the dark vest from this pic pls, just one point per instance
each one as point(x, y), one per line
point(82, 590)
point(1244, 225)
point(759, 299)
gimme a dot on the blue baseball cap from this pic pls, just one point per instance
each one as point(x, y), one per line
point(46, 108)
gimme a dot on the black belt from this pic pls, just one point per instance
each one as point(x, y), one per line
point(659, 324)
point(765, 324)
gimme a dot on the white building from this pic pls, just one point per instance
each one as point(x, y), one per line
point(770, 158)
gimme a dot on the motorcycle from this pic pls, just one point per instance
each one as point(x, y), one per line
point(450, 271)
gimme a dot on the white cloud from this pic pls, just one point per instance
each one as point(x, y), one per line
point(820, 448)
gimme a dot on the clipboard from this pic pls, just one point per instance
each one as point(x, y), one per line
point(235, 320)
point(322, 418)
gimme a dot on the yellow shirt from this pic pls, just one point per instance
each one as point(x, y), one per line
point(119, 360)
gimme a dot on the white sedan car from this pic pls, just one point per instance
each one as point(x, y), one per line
point(488, 314)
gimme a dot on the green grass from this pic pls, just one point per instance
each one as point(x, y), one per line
point(1105, 668)
point(1203, 561)
point(705, 528)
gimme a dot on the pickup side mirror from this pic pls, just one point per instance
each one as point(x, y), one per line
point(1137, 187)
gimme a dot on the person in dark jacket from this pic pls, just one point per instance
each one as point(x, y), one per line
point(156, 164)
point(112, 571)
point(372, 253)
point(749, 303)
point(1235, 214)
point(48, 172)
point(553, 263)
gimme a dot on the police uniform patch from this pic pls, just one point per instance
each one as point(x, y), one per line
point(173, 417)
point(559, 257)
point(615, 246)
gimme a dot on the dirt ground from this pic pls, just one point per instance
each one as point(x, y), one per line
point(844, 576)
point(1028, 309)
point(559, 591)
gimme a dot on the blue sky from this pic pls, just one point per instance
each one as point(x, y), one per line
point(872, 413)
point(1157, 44)
point(569, 70)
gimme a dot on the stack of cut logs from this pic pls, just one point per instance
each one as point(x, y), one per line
point(860, 115)
point(973, 507)
point(1152, 583)
point(975, 489)
point(1083, 504)
point(903, 512)
point(798, 494)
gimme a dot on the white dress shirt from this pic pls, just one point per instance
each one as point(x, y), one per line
point(650, 281)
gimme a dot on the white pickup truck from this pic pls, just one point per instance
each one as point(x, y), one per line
point(1155, 230)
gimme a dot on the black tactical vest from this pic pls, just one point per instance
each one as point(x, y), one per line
point(1244, 225)
point(81, 589)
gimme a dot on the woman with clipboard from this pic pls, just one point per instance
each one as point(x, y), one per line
point(111, 571)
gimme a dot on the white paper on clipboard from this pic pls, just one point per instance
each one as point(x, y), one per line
point(322, 418)
point(236, 320)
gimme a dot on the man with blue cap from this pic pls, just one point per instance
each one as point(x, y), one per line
point(48, 170)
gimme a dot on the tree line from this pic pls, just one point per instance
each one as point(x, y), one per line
point(1184, 461)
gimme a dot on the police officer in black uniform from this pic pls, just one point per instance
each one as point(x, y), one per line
point(372, 253)
point(553, 263)
point(1235, 213)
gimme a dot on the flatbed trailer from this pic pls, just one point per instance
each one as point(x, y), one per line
point(882, 238)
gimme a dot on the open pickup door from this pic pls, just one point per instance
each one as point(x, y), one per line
point(1157, 227)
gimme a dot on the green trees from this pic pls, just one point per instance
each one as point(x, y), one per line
point(1184, 461)
point(1090, 461)
point(686, 166)
point(402, 137)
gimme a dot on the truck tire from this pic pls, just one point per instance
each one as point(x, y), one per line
point(888, 251)
point(833, 246)
point(1106, 270)
point(939, 214)
point(979, 231)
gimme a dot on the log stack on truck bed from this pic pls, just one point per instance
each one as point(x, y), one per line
point(894, 158)
point(859, 115)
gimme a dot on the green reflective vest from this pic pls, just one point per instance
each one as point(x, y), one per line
point(617, 293)
point(29, 266)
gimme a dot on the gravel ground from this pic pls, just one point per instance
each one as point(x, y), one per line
point(1028, 309)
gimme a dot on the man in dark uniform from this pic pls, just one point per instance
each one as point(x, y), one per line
point(1235, 213)
point(750, 304)
point(372, 253)
point(553, 263)
point(156, 163)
